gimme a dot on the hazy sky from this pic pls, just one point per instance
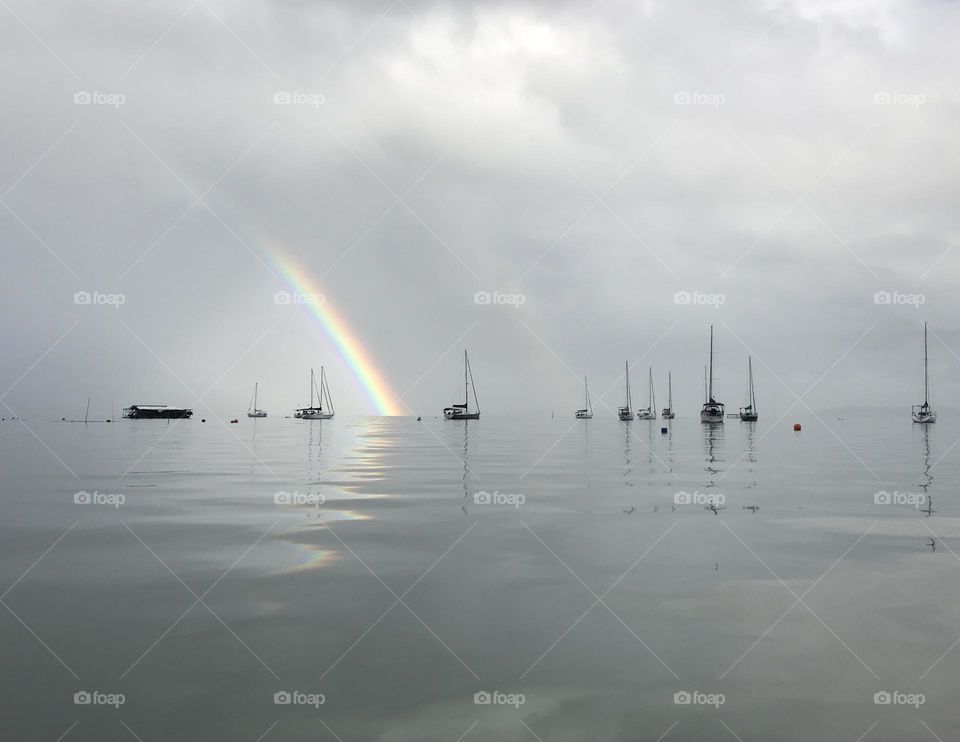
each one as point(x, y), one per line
point(788, 159)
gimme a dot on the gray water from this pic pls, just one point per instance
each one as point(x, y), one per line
point(581, 592)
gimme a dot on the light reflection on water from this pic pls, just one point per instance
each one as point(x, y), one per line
point(405, 593)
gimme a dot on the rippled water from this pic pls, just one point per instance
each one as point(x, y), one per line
point(546, 560)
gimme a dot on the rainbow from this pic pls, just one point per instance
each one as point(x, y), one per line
point(384, 401)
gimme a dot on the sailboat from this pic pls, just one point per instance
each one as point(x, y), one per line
point(923, 413)
point(749, 413)
point(650, 411)
point(587, 412)
point(626, 413)
point(463, 411)
point(323, 395)
point(712, 410)
point(668, 413)
point(252, 410)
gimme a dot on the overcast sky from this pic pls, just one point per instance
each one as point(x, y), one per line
point(785, 160)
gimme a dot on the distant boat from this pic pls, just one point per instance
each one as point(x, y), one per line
point(323, 395)
point(650, 411)
point(463, 411)
point(923, 413)
point(587, 412)
point(155, 412)
point(749, 413)
point(252, 410)
point(668, 413)
point(712, 410)
point(626, 413)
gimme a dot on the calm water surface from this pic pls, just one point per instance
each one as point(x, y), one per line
point(399, 568)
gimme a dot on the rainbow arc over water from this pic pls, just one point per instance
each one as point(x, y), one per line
point(365, 371)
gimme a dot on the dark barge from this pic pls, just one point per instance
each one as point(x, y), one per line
point(155, 412)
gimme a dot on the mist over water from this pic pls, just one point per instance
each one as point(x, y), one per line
point(383, 572)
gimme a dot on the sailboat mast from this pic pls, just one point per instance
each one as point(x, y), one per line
point(586, 397)
point(87, 413)
point(254, 396)
point(669, 392)
point(629, 401)
point(466, 386)
point(311, 388)
point(926, 372)
point(710, 388)
point(750, 375)
point(653, 399)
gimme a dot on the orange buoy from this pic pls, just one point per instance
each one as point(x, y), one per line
point(796, 427)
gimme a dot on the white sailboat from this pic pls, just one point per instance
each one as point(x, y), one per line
point(650, 411)
point(923, 413)
point(712, 410)
point(317, 412)
point(587, 412)
point(253, 410)
point(626, 413)
point(463, 411)
point(749, 413)
point(668, 413)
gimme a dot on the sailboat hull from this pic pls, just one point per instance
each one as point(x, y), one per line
point(667, 415)
point(748, 417)
point(925, 418)
point(313, 415)
point(257, 413)
point(646, 415)
point(583, 415)
point(460, 415)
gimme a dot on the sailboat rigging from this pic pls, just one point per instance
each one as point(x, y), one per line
point(463, 411)
point(923, 413)
point(650, 411)
point(253, 410)
point(749, 413)
point(317, 412)
point(712, 411)
point(587, 412)
point(668, 413)
point(626, 413)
